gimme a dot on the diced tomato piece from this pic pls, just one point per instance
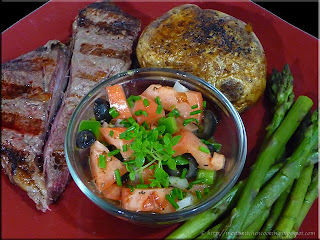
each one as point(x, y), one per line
point(113, 192)
point(118, 100)
point(171, 99)
point(104, 177)
point(151, 110)
point(146, 200)
point(114, 139)
point(190, 143)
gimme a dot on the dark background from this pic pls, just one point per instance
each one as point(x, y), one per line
point(303, 15)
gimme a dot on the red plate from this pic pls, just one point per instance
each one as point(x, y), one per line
point(74, 216)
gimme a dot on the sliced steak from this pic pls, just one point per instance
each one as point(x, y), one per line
point(103, 38)
point(32, 87)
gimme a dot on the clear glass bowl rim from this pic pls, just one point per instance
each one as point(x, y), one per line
point(163, 217)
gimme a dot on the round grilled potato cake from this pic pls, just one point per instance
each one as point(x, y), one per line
point(209, 44)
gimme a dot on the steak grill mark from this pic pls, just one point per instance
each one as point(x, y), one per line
point(98, 50)
point(21, 123)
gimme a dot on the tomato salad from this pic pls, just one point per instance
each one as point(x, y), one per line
point(152, 152)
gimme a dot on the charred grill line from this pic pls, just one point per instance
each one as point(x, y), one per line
point(21, 124)
point(98, 50)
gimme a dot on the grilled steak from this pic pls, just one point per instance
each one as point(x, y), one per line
point(32, 87)
point(103, 37)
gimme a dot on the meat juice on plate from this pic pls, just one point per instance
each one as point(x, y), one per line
point(151, 147)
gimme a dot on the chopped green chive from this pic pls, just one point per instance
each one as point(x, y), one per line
point(118, 177)
point(111, 133)
point(145, 125)
point(113, 112)
point(194, 106)
point(159, 109)
point(217, 146)
point(195, 112)
point(177, 192)
point(129, 162)
point(204, 149)
point(184, 173)
point(114, 152)
point(141, 185)
point(125, 148)
point(131, 120)
point(174, 113)
point(141, 112)
point(102, 161)
point(189, 120)
point(200, 180)
point(157, 100)
point(204, 104)
point(131, 187)
point(146, 102)
point(206, 191)
point(171, 200)
point(198, 193)
point(132, 99)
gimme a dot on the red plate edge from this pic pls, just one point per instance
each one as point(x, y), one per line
point(74, 216)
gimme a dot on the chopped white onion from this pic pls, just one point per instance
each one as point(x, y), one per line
point(118, 124)
point(105, 124)
point(179, 87)
point(187, 201)
point(178, 182)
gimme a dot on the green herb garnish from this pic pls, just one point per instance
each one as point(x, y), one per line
point(118, 177)
point(141, 185)
point(125, 148)
point(102, 161)
point(189, 120)
point(146, 102)
point(141, 112)
point(204, 104)
point(195, 112)
point(172, 201)
point(157, 100)
point(204, 149)
point(132, 99)
point(113, 112)
point(159, 109)
point(174, 113)
point(114, 152)
point(201, 180)
point(151, 148)
point(198, 194)
point(184, 173)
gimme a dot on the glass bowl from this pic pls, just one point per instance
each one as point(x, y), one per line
point(229, 131)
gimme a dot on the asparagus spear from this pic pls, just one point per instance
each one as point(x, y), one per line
point(214, 232)
point(281, 95)
point(196, 225)
point(290, 171)
point(266, 159)
point(311, 195)
point(291, 212)
point(275, 212)
point(251, 231)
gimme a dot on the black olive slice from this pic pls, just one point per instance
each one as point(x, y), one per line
point(101, 110)
point(85, 139)
point(208, 127)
